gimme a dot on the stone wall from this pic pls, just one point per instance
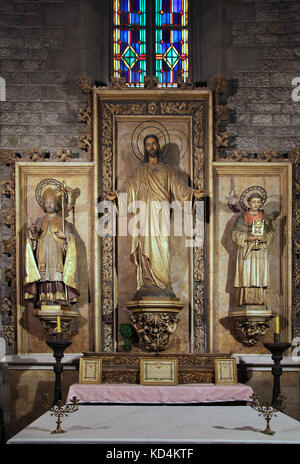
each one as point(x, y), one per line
point(256, 45)
point(44, 46)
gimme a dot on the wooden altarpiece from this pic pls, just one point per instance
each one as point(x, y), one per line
point(190, 122)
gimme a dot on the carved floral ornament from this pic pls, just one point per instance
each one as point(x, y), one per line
point(156, 325)
point(245, 333)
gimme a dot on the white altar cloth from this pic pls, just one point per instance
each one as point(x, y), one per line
point(145, 424)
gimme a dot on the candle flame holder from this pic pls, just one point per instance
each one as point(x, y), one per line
point(267, 409)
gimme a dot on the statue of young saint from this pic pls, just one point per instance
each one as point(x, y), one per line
point(50, 257)
point(153, 183)
point(254, 234)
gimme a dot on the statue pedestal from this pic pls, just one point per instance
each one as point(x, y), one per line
point(47, 316)
point(155, 320)
point(250, 323)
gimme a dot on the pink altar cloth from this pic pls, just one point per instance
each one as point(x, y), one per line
point(134, 393)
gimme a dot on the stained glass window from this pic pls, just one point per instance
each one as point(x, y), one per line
point(146, 43)
point(171, 41)
point(130, 41)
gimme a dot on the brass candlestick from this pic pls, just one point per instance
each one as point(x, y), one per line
point(59, 410)
point(267, 409)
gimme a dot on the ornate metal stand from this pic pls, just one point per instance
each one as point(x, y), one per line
point(277, 349)
point(267, 410)
point(58, 346)
point(59, 411)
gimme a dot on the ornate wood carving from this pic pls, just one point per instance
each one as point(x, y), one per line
point(244, 155)
point(155, 328)
point(151, 82)
point(196, 110)
point(35, 155)
point(85, 85)
point(118, 83)
point(8, 216)
point(8, 158)
point(6, 187)
point(125, 368)
point(249, 332)
point(220, 86)
point(64, 155)
point(8, 333)
point(8, 325)
point(183, 85)
point(295, 158)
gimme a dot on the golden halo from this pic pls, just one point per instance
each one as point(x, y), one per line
point(70, 194)
point(142, 130)
point(245, 195)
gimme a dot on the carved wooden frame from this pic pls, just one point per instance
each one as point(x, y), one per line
point(283, 172)
point(24, 170)
point(89, 142)
point(109, 104)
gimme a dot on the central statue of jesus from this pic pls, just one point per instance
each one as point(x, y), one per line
point(154, 182)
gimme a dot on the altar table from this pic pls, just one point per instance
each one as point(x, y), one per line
point(137, 394)
point(175, 424)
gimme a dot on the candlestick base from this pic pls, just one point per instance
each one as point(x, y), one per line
point(58, 346)
point(277, 349)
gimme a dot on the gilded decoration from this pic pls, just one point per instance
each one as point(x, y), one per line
point(85, 85)
point(255, 232)
point(118, 83)
point(249, 333)
point(151, 82)
point(8, 158)
point(183, 85)
point(192, 367)
point(220, 86)
point(109, 111)
point(48, 284)
point(86, 114)
point(295, 158)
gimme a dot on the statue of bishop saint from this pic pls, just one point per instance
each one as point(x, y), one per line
point(51, 257)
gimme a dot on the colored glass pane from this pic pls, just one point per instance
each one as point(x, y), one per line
point(129, 13)
point(171, 13)
point(171, 56)
point(130, 56)
point(171, 41)
point(130, 41)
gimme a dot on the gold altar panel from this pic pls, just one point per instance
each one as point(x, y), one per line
point(179, 156)
point(31, 335)
point(230, 182)
point(183, 122)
